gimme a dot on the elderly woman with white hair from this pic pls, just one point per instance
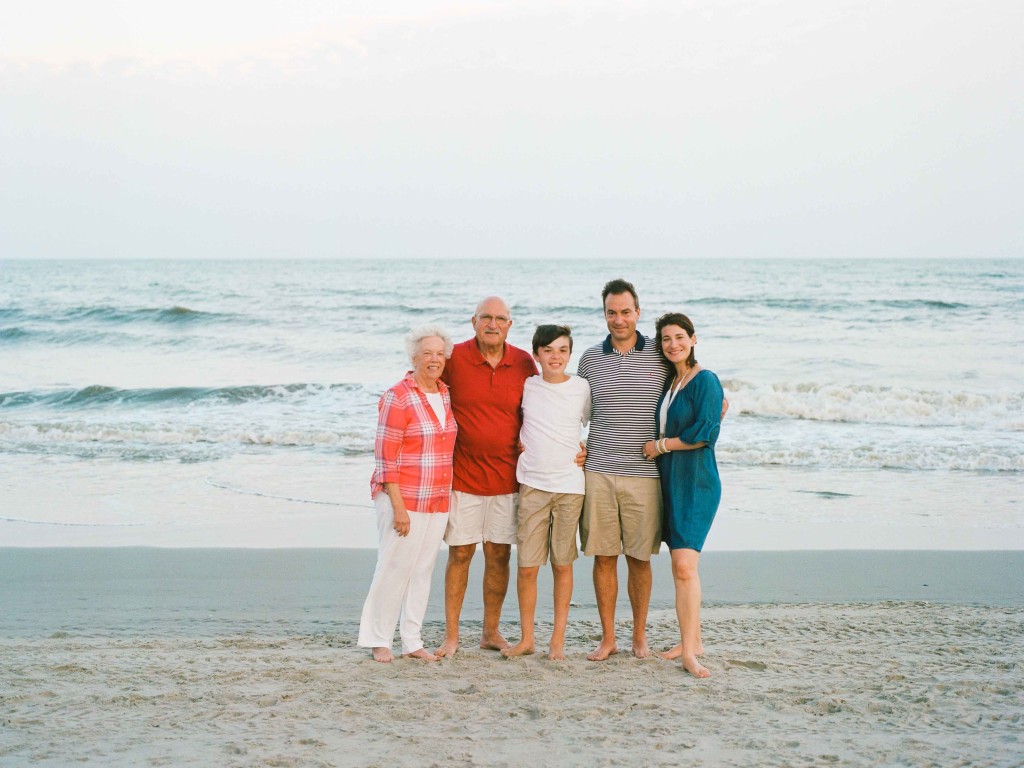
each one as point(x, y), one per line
point(411, 485)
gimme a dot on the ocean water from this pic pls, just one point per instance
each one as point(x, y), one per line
point(169, 401)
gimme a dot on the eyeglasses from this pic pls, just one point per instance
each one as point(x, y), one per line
point(499, 319)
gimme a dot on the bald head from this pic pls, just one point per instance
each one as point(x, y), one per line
point(491, 322)
point(493, 305)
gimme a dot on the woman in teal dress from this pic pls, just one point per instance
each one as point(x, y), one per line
point(689, 418)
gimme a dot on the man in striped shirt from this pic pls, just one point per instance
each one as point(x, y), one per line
point(622, 509)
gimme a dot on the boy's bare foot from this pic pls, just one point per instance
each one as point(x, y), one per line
point(447, 648)
point(383, 655)
point(521, 648)
point(422, 653)
point(556, 652)
point(495, 643)
point(603, 651)
point(695, 668)
point(676, 651)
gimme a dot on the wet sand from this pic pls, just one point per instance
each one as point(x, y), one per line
point(132, 657)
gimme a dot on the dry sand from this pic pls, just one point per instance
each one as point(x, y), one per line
point(903, 682)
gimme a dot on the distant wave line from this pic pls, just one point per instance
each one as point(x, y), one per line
point(98, 394)
point(223, 486)
point(70, 525)
point(172, 314)
point(822, 304)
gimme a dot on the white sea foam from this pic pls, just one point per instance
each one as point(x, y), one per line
point(878, 456)
point(869, 404)
point(156, 442)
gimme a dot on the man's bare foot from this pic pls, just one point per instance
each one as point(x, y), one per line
point(422, 653)
point(640, 649)
point(447, 648)
point(522, 648)
point(676, 651)
point(694, 667)
point(495, 643)
point(556, 652)
point(383, 655)
point(603, 651)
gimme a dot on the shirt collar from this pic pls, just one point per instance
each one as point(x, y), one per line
point(608, 349)
point(480, 359)
point(410, 380)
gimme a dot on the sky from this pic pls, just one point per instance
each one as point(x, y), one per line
point(714, 129)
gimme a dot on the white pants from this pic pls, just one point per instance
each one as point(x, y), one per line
point(401, 582)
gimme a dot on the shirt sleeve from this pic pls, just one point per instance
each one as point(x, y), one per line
point(582, 368)
point(707, 404)
point(387, 447)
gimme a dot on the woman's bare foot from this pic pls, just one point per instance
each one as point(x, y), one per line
point(556, 652)
point(494, 643)
point(676, 651)
point(422, 653)
point(694, 667)
point(383, 655)
point(448, 648)
point(522, 648)
point(603, 651)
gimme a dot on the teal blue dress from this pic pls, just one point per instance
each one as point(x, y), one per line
point(690, 486)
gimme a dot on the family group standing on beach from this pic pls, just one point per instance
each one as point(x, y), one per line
point(474, 446)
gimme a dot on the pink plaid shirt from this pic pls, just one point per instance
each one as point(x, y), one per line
point(412, 449)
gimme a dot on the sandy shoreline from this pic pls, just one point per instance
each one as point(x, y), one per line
point(261, 669)
point(306, 500)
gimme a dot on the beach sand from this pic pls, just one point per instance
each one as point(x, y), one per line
point(241, 657)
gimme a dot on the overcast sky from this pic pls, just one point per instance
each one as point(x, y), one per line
point(725, 128)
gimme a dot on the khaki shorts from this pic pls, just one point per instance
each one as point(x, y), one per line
point(621, 515)
point(547, 524)
point(473, 519)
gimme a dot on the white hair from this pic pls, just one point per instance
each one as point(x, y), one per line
point(418, 334)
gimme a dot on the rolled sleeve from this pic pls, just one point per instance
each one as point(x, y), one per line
point(707, 403)
point(391, 423)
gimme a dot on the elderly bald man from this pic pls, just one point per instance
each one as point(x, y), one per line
point(486, 376)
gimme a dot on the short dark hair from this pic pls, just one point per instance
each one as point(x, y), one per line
point(615, 287)
point(674, 318)
point(545, 334)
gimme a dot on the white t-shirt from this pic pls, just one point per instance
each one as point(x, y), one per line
point(553, 415)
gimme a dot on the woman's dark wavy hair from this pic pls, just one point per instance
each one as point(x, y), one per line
point(674, 318)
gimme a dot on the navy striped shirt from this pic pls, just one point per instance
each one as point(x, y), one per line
point(624, 392)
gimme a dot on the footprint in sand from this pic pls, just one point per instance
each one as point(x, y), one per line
point(760, 666)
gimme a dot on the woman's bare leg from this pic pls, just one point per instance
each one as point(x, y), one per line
point(688, 596)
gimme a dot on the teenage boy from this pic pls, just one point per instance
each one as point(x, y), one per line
point(551, 485)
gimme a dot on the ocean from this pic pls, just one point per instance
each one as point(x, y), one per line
point(874, 404)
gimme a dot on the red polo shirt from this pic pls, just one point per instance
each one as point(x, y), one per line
point(487, 403)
